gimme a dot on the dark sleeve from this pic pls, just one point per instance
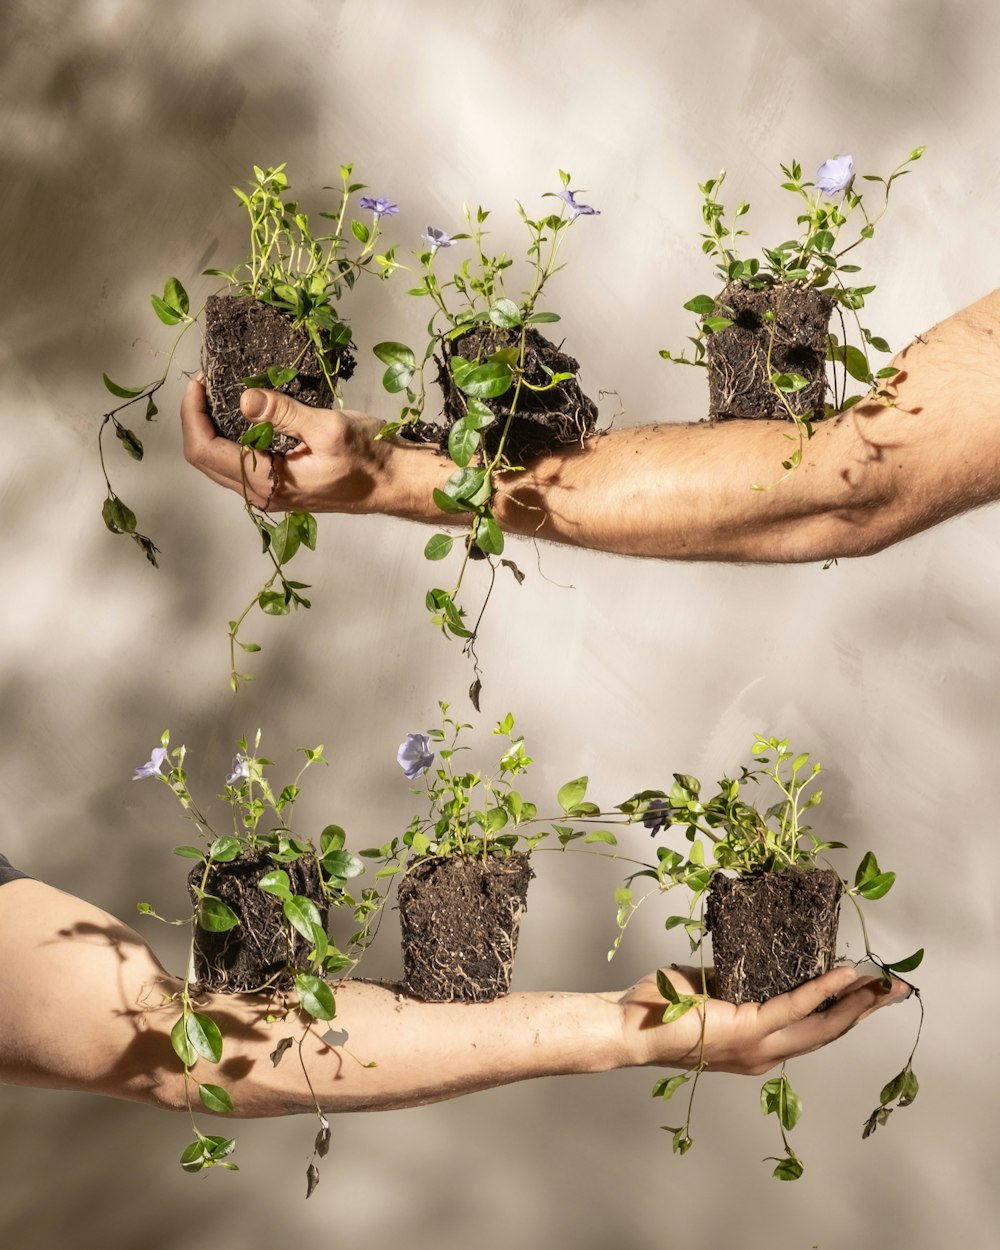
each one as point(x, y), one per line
point(7, 871)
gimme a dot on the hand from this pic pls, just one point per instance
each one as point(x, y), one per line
point(752, 1038)
point(336, 467)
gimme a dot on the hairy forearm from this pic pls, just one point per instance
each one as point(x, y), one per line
point(870, 477)
point(428, 1052)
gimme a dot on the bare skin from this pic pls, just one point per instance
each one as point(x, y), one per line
point(869, 478)
point(86, 1007)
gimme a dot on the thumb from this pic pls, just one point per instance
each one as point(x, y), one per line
point(287, 415)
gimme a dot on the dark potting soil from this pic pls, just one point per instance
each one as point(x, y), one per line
point(543, 421)
point(262, 948)
point(460, 919)
point(738, 373)
point(243, 337)
point(772, 932)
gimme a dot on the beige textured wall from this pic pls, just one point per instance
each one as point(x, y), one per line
point(122, 127)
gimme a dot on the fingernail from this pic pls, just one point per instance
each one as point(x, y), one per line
point(253, 403)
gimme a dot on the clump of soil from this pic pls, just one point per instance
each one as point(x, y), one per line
point(542, 422)
point(772, 932)
point(263, 950)
point(243, 337)
point(460, 920)
point(738, 373)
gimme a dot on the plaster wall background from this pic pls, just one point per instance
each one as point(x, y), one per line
point(122, 128)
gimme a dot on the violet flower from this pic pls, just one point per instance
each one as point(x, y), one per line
point(382, 207)
point(435, 238)
point(657, 816)
point(152, 766)
point(575, 209)
point(415, 755)
point(241, 770)
point(835, 175)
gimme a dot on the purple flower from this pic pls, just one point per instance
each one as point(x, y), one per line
point(241, 770)
point(575, 209)
point(835, 175)
point(657, 816)
point(435, 238)
point(152, 766)
point(415, 755)
point(381, 207)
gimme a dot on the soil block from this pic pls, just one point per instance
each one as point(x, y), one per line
point(543, 422)
point(738, 371)
point(263, 950)
point(243, 337)
point(772, 932)
point(460, 919)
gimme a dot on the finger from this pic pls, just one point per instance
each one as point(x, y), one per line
point(203, 447)
point(287, 415)
point(223, 461)
point(779, 1013)
point(859, 1001)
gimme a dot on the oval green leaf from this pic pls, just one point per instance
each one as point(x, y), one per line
point(315, 996)
point(439, 545)
point(215, 1098)
point(215, 916)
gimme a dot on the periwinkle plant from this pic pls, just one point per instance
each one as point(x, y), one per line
point(303, 274)
point(732, 833)
point(300, 991)
point(492, 378)
point(815, 260)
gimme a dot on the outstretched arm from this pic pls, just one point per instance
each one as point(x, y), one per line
point(870, 477)
point(86, 1006)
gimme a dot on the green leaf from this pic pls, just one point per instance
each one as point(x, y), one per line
point(396, 353)
point(447, 503)
point(602, 835)
point(215, 1098)
point(438, 546)
point(280, 377)
point(543, 318)
point(483, 381)
point(669, 1085)
point(276, 882)
point(505, 314)
point(714, 325)
point(273, 602)
point(204, 1036)
point(397, 377)
point(665, 987)
point(703, 305)
point(572, 793)
point(315, 996)
point(856, 364)
point(360, 231)
point(867, 869)
point(678, 1009)
point(123, 392)
point(788, 1169)
point(175, 296)
point(188, 852)
point(224, 850)
point(777, 1096)
point(489, 536)
point(260, 437)
point(875, 887)
point(118, 516)
point(909, 963)
point(285, 540)
point(183, 1049)
point(169, 316)
point(215, 916)
point(788, 382)
point(463, 442)
point(303, 914)
point(129, 441)
point(341, 865)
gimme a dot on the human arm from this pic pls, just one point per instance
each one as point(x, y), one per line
point(87, 1006)
point(869, 477)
